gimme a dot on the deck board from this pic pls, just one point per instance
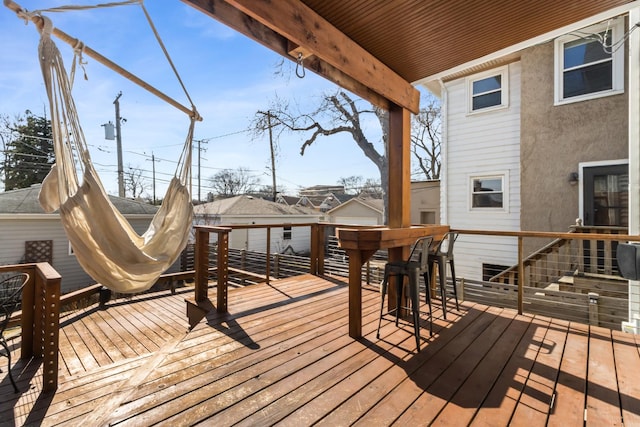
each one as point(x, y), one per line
point(282, 356)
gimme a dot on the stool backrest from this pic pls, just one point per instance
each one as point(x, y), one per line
point(445, 247)
point(421, 249)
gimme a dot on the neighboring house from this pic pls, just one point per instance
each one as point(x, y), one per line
point(322, 190)
point(425, 202)
point(286, 200)
point(325, 202)
point(534, 139)
point(244, 210)
point(28, 234)
point(358, 211)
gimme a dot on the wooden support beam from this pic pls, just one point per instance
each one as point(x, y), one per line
point(288, 27)
point(399, 167)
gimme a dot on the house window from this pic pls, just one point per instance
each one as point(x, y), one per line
point(427, 217)
point(487, 192)
point(286, 235)
point(589, 63)
point(488, 91)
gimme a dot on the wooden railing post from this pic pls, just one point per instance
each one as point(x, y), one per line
point(276, 265)
point(202, 264)
point(223, 271)
point(315, 245)
point(521, 278)
point(50, 326)
point(268, 253)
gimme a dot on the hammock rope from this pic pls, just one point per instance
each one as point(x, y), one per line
point(104, 243)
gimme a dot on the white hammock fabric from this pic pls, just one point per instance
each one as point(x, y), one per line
point(105, 244)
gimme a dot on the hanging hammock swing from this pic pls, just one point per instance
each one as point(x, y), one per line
point(105, 244)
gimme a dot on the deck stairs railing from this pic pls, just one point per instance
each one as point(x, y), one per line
point(561, 259)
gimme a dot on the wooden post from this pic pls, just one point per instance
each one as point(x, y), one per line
point(51, 327)
point(317, 249)
point(276, 265)
point(202, 264)
point(520, 276)
point(399, 190)
point(223, 271)
point(460, 290)
point(268, 253)
point(355, 294)
point(313, 267)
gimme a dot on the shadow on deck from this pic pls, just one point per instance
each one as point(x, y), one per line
point(282, 355)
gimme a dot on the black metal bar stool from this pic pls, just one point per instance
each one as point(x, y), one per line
point(413, 269)
point(441, 256)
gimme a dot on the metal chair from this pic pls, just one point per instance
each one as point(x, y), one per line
point(10, 300)
point(442, 255)
point(413, 269)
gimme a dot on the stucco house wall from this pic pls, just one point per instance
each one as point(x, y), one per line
point(425, 202)
point(556, 138)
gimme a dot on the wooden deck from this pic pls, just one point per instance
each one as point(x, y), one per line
point(283, 356)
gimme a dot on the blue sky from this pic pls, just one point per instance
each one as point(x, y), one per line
point(228, 76)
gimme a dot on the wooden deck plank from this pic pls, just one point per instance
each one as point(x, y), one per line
point(79, 400)
point(315, 409)
point(457, 362)
point(569, 401)
point(537, 395)
point(96, 327)
point(124, 333)
point(224, 382)
point(627, 356)
point(499, 405)
point(603, 404)
point(337, 371)
point(462, 407)
point(234, 359)
point(282, 356)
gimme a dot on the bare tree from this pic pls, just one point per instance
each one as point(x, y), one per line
point(134, 181)
point(352, 184)
point(372, 188)
point(425, 138)
point(228, 182)
point(337, 113)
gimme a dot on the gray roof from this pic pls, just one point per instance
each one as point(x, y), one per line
point(25, 201)
point(248, 205)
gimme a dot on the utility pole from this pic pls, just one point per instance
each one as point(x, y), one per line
point(153, 168)
point(119, 147)
point(273, 157)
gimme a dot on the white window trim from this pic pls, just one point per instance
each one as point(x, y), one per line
point(71, 251)
point(504, 176)
point(617, 72)
point(504, 80)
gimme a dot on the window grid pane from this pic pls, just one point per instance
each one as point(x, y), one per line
point(487, 193)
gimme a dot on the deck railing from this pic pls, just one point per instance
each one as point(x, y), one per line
point(39, 318)
point(573, 276)
point(578, 282)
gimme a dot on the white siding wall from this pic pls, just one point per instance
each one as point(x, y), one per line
point(15, 231)
point(481, 144)
point(256, 239)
